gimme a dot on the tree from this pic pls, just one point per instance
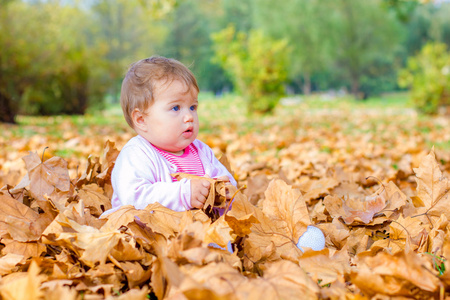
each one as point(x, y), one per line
point(305, 24)
point(364, 34)
point(428, 22)
point(127, 31)
point(15, 59)
point(403, 9)
point(428, 74)
point(256, 64)
point(45, 63)
point(188, 40)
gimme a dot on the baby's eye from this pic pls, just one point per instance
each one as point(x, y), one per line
point(193, 107)
point(176, 108)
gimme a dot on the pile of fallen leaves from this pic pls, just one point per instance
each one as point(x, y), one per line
point(368, 179)
point(381, 242)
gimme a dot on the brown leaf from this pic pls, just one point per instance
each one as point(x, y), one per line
point(326, 268)
point(219, 232)
point(77, 212)
point(127, 250)
point(406, 233)
point(286, 205)
point(241, 226)
point(336, 233)
point(212, 281)
point(8, 262)
point(110, 154)
point(21, 222)
point(226, 163)
point(24, 287)
point(191, 236)
point(91, 245)
point(93, 168)
point(256, 186)
point(158, 217)
point(357, 241)
point(165, 275)
point(433, 188)
point(135, 294)
point(395, 199)
point(57, 289)
point(354, 209)
point(314, 189)
point(25, 249)
point(46, 176)
point(318, 213)
point(94, 199)
point(286, 280)
point(395, 275)
point(281, 230)
point(152, 242)
point(135, 273)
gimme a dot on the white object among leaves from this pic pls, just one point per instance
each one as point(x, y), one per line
point(312, 238)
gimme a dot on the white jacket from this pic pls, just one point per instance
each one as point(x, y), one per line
point(142, 176)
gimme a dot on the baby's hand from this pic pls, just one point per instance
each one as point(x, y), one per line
point(199, 192)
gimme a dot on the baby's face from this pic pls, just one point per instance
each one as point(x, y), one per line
point(172, 121)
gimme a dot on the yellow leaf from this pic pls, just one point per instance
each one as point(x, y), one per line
point(46, 176)
point(395, 275)
point(20, 221)
point(94, 199)
point(8, 262)
point(24, 287)
point(159, 218)
point(432, 187)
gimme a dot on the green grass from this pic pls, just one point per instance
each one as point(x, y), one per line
point(230, 107)
point(65, 153)
point(391, 100)
point(229, 112)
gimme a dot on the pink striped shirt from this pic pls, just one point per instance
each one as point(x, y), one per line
point(189, 162)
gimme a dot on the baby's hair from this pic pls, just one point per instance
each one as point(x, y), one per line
point(139, 84)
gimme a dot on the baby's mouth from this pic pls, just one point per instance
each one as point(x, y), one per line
point(188, 133)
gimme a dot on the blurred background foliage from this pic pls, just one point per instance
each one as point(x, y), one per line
point(64, 57)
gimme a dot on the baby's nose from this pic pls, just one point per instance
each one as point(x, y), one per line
point(188, 117)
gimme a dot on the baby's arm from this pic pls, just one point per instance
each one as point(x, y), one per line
point(137, 180)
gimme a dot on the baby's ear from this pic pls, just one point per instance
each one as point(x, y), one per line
point(138, 119)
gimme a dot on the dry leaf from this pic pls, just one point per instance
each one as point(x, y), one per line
point(94, 199)
point(8, 262)
point(24, 287)
point(159, 218)
point(433, 189)
point(354, 209)
point(46, 176)
point(21, 222)
point(378, 244)
point(395, 275)
point(286, 280)
point(25, 249)
point(324, 268)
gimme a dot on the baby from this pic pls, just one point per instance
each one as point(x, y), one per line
point(159, 101)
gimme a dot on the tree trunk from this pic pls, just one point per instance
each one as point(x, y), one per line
point(7, 112)
point(355, 88)
point(307, 84)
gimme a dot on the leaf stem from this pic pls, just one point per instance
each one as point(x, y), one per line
point(43, 154)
